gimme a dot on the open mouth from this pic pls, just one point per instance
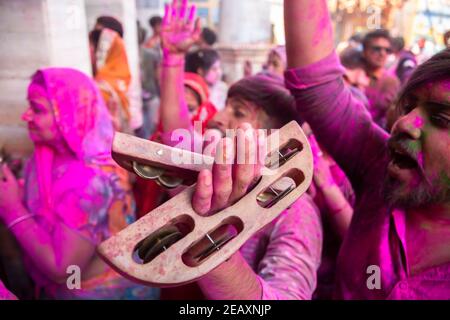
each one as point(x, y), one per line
point(402, 159)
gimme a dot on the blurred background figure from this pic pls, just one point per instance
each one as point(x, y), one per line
point(206, 63)
point(109, 23)
point(447, 39)
point(150, 59)
point(383, 87)
point(355, 75)
point(111, 70)
point(142, 33)
point(405, 61)
point(154, 41)
point(423, 49)
point(208, 38)
point(277, 61)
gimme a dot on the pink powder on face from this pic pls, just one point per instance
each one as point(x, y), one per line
point(418, 122)
point(420, 158)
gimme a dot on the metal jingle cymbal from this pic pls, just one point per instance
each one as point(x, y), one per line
point(279, 158)
point(276, 192)
point(147, 172)
point(159, 241)
point(169, 182)
point(162, 245)
point(223, 240)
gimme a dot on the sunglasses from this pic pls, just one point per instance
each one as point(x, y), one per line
point(379, 49)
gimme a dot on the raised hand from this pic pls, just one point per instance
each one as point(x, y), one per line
point(180, 29)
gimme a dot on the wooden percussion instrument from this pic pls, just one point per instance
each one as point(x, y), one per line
point(173, 245)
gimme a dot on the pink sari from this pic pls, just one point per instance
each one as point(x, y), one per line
point(87, 192)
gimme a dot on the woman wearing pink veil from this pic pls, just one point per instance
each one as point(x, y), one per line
point(75, 195)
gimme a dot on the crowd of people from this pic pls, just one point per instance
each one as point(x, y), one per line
point(377, 119)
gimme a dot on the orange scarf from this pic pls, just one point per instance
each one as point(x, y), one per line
point(113, 76)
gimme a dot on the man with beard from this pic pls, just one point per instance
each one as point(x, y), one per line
point(398, 243)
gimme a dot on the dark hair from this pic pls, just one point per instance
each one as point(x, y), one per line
point(201, 59)
point(352, 58)
point(269, 93)
point(154, 21)
point(446, 38)
point(434, 69)
point(379, 33)
point(111, 23)
point(398, 44)
point(94, 38)
point(357, 37)
point(209, 36)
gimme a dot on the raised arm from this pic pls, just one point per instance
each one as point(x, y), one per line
point(340, 122)
point(179, 33)
point(309, 33)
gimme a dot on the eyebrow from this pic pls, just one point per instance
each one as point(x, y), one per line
point(438, 105)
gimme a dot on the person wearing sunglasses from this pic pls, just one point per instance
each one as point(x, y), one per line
point(383, 87)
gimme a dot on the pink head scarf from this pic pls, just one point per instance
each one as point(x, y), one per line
point(82, 120)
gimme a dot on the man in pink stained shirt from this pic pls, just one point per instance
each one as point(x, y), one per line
point(383, 87)
point(398, 243)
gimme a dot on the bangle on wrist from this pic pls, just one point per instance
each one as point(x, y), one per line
point(19, 220)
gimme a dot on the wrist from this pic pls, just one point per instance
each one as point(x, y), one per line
point(14, 212)
point(336, 210)
point(327, 186)
point(173, 59)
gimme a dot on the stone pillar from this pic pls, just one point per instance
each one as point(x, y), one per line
point(244, 34)
point(35, 34)
point(125, 11)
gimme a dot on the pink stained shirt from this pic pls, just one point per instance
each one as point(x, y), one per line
point(286, 254)
point(377, 233)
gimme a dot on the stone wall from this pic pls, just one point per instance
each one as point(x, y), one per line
point(35, 34)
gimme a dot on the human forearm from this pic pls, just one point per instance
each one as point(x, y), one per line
point(232, 280)
point(340, 212)
point(174, 110)
point(309, 33)
point(48, 253)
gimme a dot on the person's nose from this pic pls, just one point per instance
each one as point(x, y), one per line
point(410, 125)
point(27, 116)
